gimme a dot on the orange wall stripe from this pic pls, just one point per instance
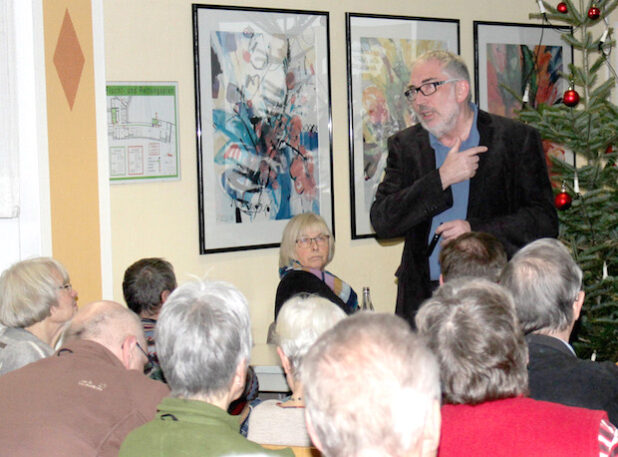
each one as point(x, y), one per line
point(73, 143)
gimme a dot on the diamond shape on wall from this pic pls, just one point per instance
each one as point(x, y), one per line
point(69, 59)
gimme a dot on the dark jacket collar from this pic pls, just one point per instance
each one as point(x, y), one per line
point(548, 341)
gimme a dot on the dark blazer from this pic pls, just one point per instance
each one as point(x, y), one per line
point(557, 375)
point(298, 281)
point(510, 197)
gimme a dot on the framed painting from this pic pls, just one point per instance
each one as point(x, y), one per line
point(380, 51)
point(508, 58)
point(263, 115)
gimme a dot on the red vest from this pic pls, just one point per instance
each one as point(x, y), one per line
point(519, 427)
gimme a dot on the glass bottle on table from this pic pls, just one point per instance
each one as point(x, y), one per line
point(367, 304)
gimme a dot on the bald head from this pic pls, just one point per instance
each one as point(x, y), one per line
point(113, 326)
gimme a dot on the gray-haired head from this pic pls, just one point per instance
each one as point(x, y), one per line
point(144, 283)
point(452, 64)
point(28, 290)
point(471, 326)
point(475, 254)
point(545, 281)
point(296, 228)
point(302, 319)
point(371, 387)
point(202, 335)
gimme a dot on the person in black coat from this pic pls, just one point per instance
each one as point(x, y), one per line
point(546, 285)
point(459, 170)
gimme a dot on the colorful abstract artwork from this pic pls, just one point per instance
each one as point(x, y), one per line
point(512, 67)
point(265, 127)
point(385, 73)
point(265, 124)
point(381, 50)
point(512, 57)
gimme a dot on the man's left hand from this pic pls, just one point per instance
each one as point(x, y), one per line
point(452, 229)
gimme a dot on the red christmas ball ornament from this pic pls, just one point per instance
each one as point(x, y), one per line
point(608, 150)
point(563, 200)
point(594, 13)
point(570, 98)
point(562, 8)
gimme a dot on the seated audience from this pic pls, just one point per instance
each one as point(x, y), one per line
point(302, 319)
point(372, 389)
point(471, 326)
point(204, 341)
point(307, 246)
point(546, 284)
point(146, 285)
point(36, 302)
point(474, 254)
point(83, 400)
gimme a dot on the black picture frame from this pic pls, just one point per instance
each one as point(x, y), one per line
point(263, 123)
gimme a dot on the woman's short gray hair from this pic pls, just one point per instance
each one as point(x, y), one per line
point(302, 319)
point(295, 228)
point(471, 326)
point(202, 335)
point(28, 290)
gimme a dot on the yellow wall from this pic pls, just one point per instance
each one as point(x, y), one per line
point(151, 40)
point(73, 149)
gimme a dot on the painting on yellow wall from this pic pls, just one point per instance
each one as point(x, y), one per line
point(263, 123)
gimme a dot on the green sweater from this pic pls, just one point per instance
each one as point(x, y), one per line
point(191, 428)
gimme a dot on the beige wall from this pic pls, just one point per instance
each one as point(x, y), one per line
point(151, 40)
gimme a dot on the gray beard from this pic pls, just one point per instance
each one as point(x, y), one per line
point(444, 128)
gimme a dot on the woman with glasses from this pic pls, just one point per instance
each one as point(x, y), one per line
point(307, 246)
point(36, 301)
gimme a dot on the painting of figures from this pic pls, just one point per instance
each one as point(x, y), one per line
point(381, 50)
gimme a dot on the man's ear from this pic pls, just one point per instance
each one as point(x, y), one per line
point(441, 279)
point(285, 362)
point(431, 432)
point(462, 89)
point(128, 353)
point(577, 304)
point(164, 295)
point(239, 380)
point(312, 433)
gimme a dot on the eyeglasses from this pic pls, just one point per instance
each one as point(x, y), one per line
point(306, 242)
point(148, 356)
point(68, 287)
point(425, 89)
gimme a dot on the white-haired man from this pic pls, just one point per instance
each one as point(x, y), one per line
point(203, 339)
point(372, 389)
point(459, 169)
point(546, 284)
point(83, 400)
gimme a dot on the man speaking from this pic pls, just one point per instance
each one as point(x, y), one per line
point(459, 169)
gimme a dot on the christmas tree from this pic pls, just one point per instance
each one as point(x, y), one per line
point(584, 123)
